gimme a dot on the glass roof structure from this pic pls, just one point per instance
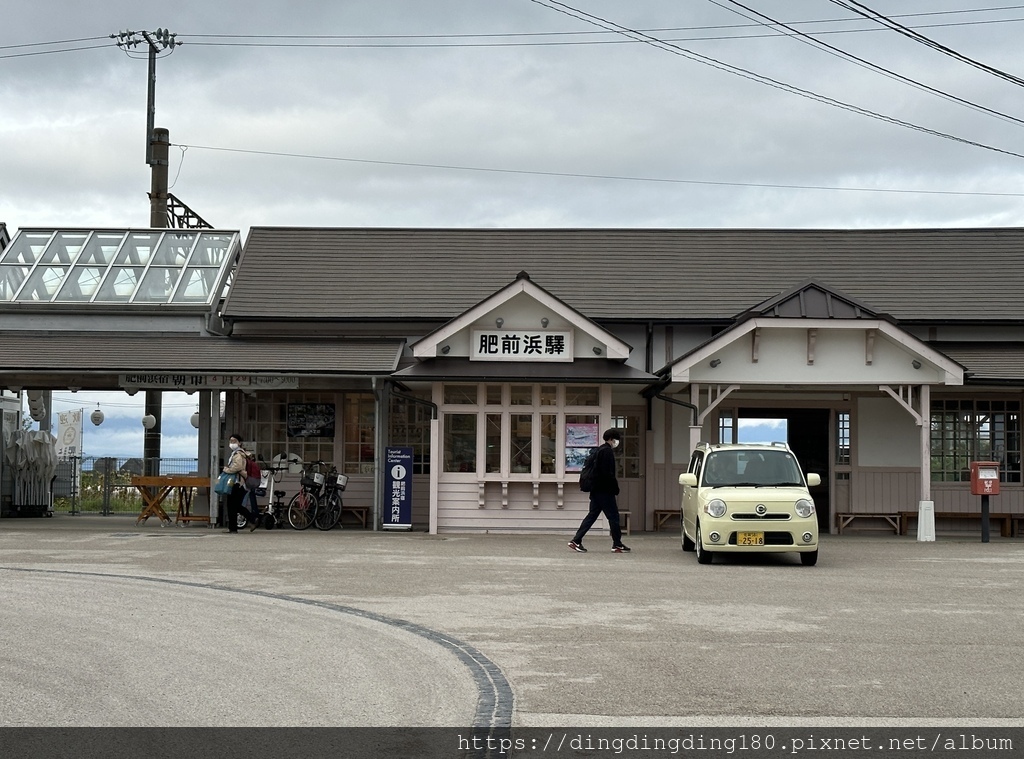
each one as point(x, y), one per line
point(117, 267)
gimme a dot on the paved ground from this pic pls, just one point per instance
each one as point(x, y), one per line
point(104, 623)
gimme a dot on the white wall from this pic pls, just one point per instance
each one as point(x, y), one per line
point(886, 435)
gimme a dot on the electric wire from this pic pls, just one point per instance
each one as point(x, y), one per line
point(51, 52)
point(867, 12)
point(195, 39)
point(808, 39)
point(53, 42)
point(580, 175)
point(759, 78)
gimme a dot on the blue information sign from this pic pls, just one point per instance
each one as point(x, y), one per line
point(397, 511)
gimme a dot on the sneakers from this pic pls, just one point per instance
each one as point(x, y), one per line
point(620, 549)
point(577, 547)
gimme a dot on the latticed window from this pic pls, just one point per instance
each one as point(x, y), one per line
point(410, 428)
point(842, 438)
point(966, 430)
point(516, 428)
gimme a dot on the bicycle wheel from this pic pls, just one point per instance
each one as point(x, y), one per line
point(302, 510)
point(329, 513)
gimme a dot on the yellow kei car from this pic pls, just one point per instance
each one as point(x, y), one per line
point(745, 498)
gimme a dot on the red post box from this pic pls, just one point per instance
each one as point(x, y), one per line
point(984, 478)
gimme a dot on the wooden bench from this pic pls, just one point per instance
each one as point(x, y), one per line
point(893, 522)
point(661, 516)
point(1006, 521)
point(362, 513)
point(624, 521)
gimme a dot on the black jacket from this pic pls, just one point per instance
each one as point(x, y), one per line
point(605, 480)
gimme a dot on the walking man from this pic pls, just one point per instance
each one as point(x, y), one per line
point(602, 496)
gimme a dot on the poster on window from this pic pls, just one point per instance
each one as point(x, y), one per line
point(310, 420)
point(580, 438)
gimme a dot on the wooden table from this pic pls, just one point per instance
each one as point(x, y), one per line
point(155, 489)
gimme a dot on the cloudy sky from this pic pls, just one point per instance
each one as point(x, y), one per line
point(471, 113)
point(514, 113)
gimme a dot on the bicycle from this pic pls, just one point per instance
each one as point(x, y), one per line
point(275, 512)
point(328, 515)
point(303, 506)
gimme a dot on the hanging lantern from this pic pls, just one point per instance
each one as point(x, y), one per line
point(96, 417)
point(149, 421)
point(195, 420)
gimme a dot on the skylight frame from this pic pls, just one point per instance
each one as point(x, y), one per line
point(178, 253)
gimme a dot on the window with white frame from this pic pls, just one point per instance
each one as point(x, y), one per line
point(503, 430)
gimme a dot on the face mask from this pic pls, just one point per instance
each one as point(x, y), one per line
point(233, 446)
point(613, 443)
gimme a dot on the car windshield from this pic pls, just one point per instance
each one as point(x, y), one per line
point(754, 468)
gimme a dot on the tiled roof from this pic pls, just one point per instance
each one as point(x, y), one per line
point(626, 274)
point(995, 362)
point(115, 352)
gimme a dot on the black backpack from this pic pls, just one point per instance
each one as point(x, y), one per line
point(587, 472)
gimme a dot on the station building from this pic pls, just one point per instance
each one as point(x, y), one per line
point(497, 356)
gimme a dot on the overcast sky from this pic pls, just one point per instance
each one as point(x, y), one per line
point(381, 95)
point(416, 83)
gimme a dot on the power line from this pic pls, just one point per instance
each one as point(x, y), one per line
point(863, 10)
point(359, 41)
point(808, 39)
point(54, 42)
point(759, 78)
point(50, 52)
point(516, 35)
point(578, 175)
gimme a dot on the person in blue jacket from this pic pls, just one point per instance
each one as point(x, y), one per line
point(602, 496)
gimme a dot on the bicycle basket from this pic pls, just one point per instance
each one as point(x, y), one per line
point(342, 481)
point(310, 483)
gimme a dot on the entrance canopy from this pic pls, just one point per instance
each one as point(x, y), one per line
point(810, 336)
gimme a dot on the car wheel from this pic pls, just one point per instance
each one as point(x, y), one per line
point(688, 544)
point(809, 559)
point(703, 556)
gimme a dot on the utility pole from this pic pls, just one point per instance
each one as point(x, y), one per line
point(157, 42)
point(157, 143)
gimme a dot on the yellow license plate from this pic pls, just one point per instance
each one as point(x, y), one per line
point(750, 538)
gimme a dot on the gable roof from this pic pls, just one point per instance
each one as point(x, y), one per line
point(809, 309)
point(613, 347)
point(915, 275)
point(811, 300)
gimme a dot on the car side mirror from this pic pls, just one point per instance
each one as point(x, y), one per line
point(688, 479)
point(813, 479)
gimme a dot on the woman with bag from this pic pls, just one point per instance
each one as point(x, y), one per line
point(236, 466)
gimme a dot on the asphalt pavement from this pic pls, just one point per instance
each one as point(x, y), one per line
point(109, 624)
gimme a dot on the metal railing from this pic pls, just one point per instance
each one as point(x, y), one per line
point(103, 485)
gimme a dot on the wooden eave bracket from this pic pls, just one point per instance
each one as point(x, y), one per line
point(812, 338)
point(869, 346)
point(755, 348)
point(904, 397)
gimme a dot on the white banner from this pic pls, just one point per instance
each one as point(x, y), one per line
point(69, 434)
point(520, 345)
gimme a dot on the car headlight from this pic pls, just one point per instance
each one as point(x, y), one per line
point(715, 508)
point(804, 507)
